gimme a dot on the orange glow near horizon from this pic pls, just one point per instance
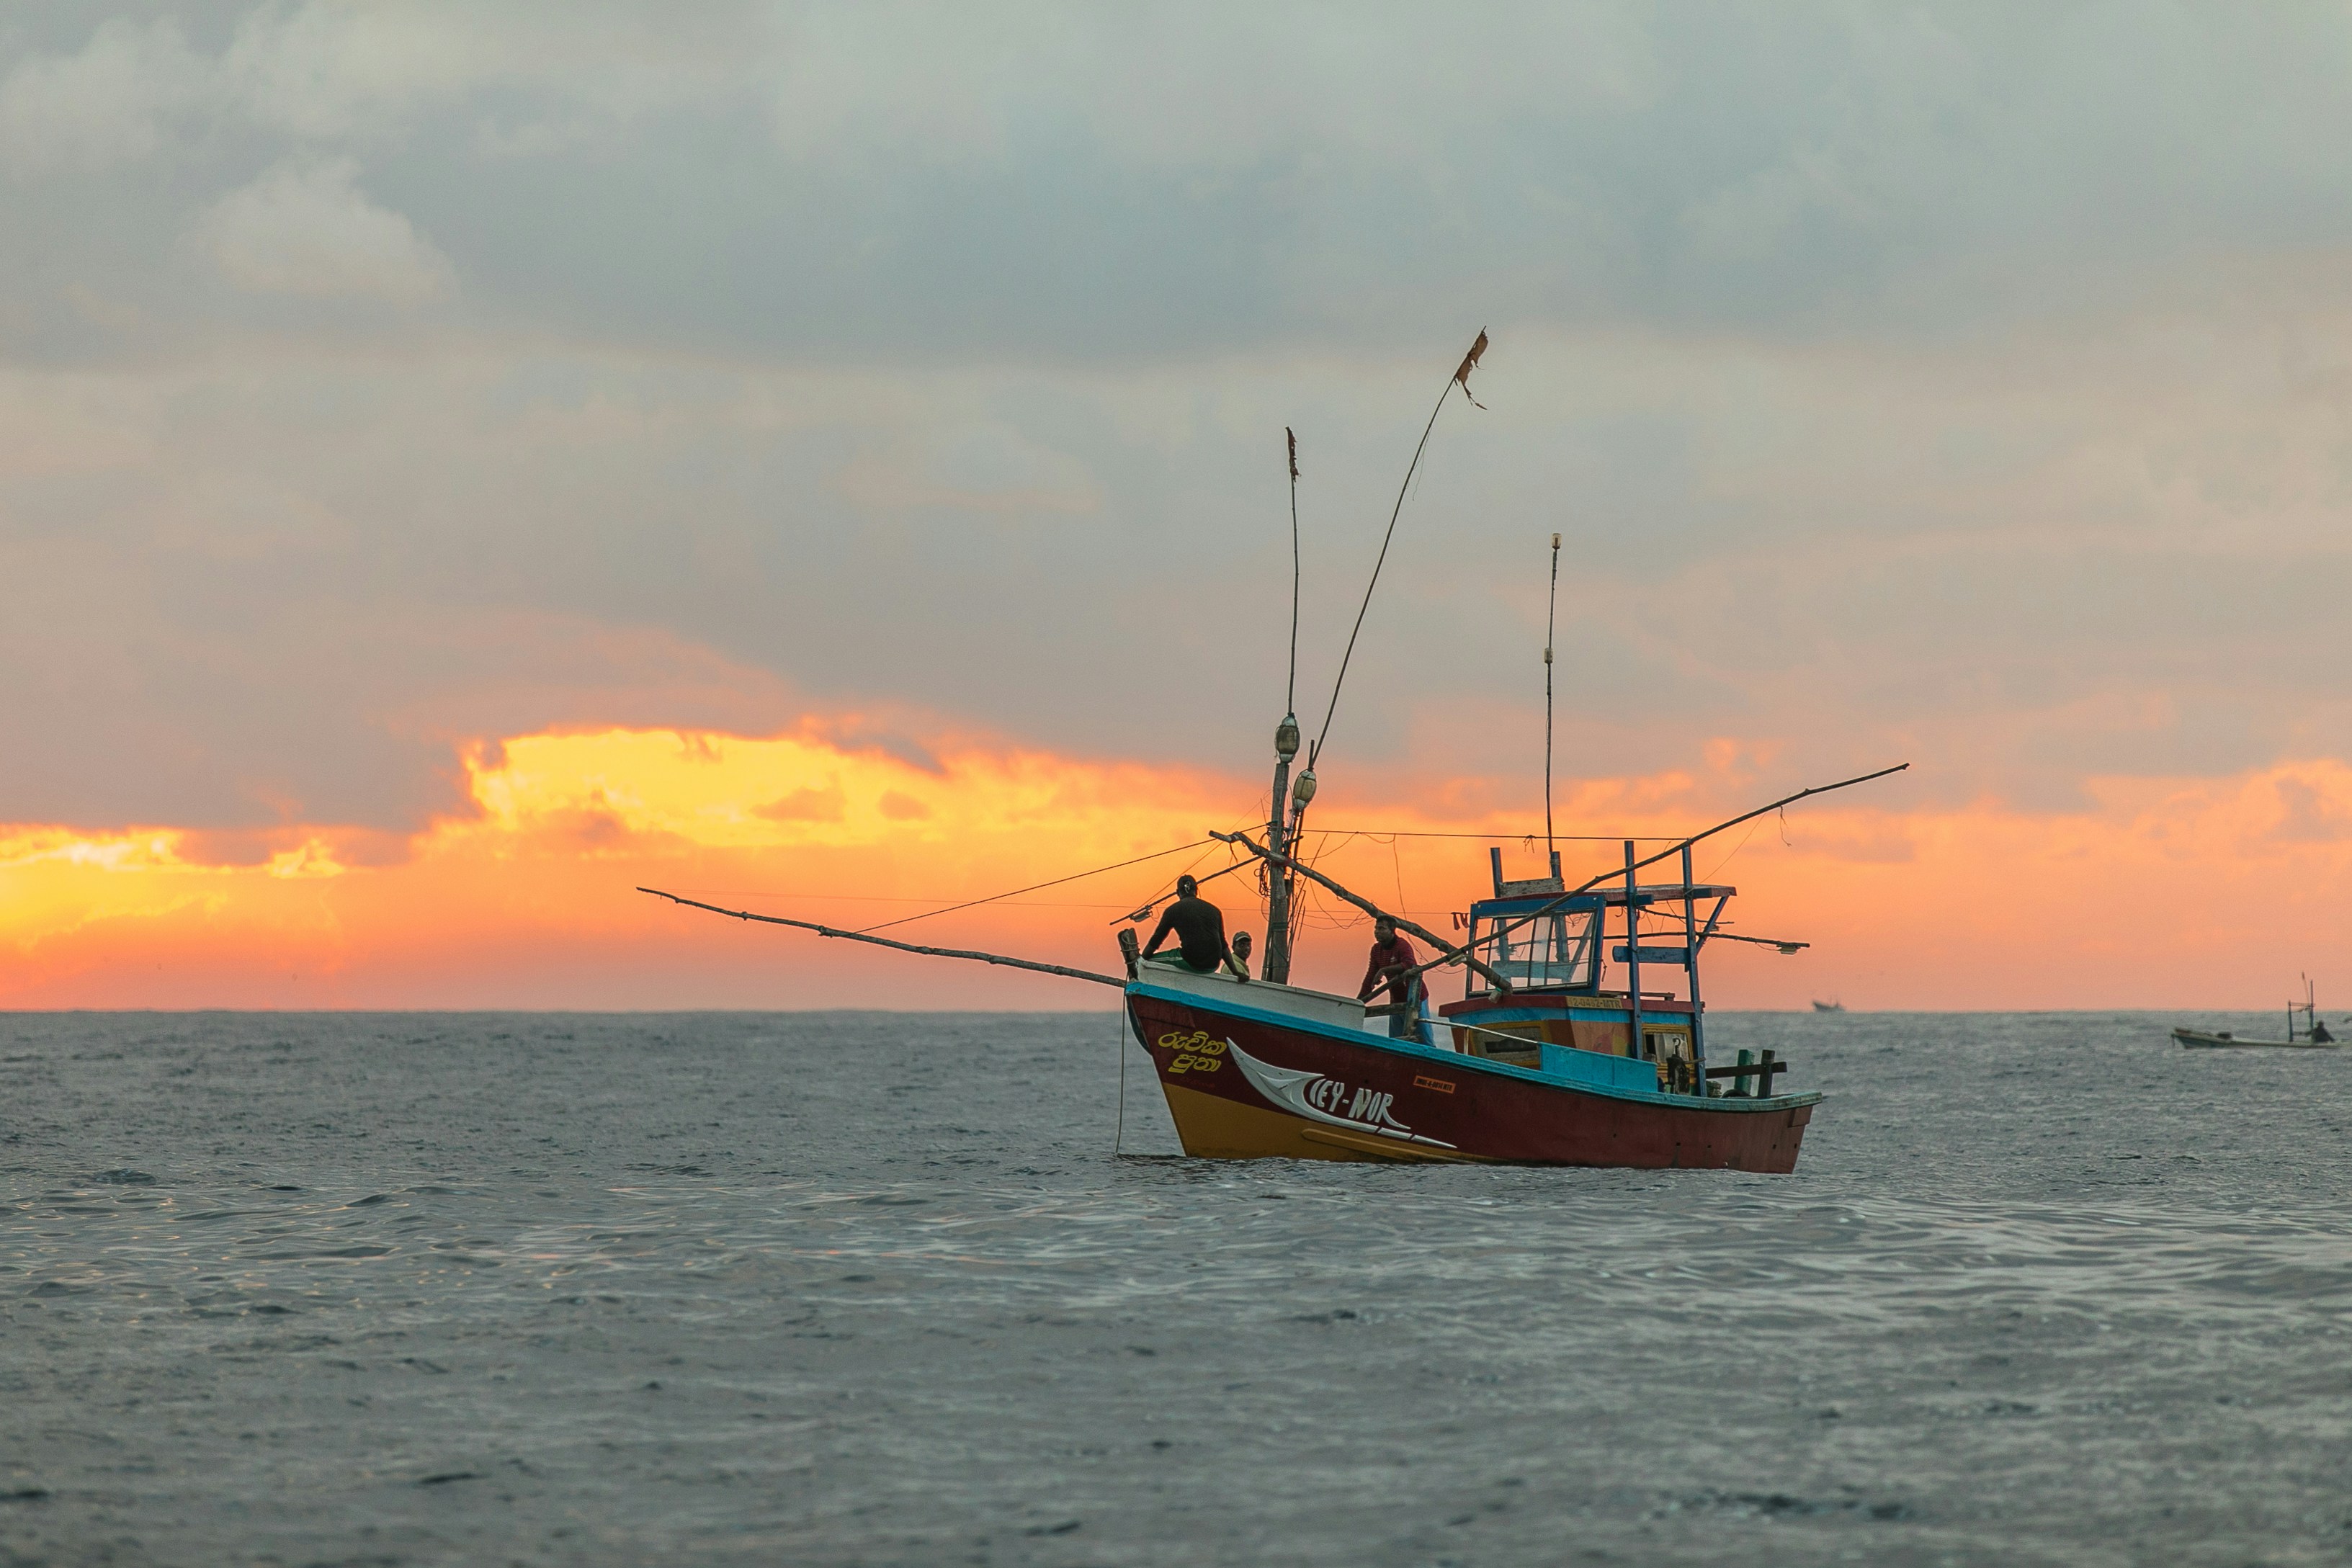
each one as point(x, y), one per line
point(2156, 895)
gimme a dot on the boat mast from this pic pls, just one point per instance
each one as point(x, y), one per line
point(1285, 747)
point(1633, 958)
point(1690, 965)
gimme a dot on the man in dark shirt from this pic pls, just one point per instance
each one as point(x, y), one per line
point(1199, 927)
point(1392, 954)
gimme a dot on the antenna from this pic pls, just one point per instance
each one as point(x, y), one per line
point(1551, 612)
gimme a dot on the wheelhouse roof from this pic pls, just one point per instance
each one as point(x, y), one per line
point(1603, 897)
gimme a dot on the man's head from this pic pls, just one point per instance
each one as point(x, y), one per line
point(1241, 944)
point(1187, 888)
point(1384, 930)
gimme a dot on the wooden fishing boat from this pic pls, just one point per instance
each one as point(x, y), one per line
point(1546, 1064)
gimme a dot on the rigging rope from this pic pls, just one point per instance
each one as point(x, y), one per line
point(975, 902)
point(1118, 1134)
point(1143, 911)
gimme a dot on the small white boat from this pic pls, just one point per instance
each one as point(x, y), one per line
point(2314, 1035)
point(2199, 1040)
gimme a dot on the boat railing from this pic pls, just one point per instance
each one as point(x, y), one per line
point(1680, 1072)
point(1746, 1067)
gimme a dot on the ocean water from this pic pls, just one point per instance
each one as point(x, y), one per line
point(873, 1289)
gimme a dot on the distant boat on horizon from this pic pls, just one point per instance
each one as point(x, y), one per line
point(2314, 1037)
point(1823, 1006)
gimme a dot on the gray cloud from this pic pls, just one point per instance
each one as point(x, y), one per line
point(1040, 182)
point(1969, 383)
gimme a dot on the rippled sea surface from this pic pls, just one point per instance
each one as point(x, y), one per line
point(868, 1288)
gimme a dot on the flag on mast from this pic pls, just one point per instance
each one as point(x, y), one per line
point(1469, 363)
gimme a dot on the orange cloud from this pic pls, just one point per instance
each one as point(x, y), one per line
point(531, 901)
point(2161, 893)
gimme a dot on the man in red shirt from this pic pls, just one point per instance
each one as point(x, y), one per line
point(1393, 955)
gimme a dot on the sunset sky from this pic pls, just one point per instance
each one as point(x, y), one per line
point(461, 462)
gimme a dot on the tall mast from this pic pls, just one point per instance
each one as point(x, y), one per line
point(1551, 612)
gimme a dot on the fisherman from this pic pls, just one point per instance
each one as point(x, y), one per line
point(1238, 961)
point(2319, 1035)
point(1392, 956)
point(1199, 927)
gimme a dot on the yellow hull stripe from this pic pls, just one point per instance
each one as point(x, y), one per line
point(1216, 1128)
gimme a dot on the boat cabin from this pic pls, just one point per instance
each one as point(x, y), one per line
point(1583, 969)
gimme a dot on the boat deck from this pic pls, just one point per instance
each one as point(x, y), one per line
point(1589, 1072)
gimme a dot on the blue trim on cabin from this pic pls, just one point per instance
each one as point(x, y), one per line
point(1580, 1005)
point(1456, 1061)
point(1596, 898)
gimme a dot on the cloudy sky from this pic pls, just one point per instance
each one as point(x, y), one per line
point(459, 461)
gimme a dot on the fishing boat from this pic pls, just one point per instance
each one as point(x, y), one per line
point(2202, 1040)
point(1561, 1050)
point(1829, 1007)
point(1546, 1062)
point(2314, 1035)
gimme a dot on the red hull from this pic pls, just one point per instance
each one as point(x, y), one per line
point(1243, 1085)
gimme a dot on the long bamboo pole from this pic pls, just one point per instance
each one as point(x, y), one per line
point(901, 947)
point(1560, 903)
point(1500, 981)
point(1460, 377)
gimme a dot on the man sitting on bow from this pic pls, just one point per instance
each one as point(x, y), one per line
point(1199, 927)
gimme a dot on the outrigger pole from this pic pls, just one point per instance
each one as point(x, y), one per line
point(1284, 863)
point(1632, 865)
point(903, 946)
point(1290, 810)
point(1460, 377)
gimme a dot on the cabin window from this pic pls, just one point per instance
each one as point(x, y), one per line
point(1551, 951)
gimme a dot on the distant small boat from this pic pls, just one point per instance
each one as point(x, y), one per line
point(2199, 1040)
point(2314, 1035)
point(1822, 1006)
